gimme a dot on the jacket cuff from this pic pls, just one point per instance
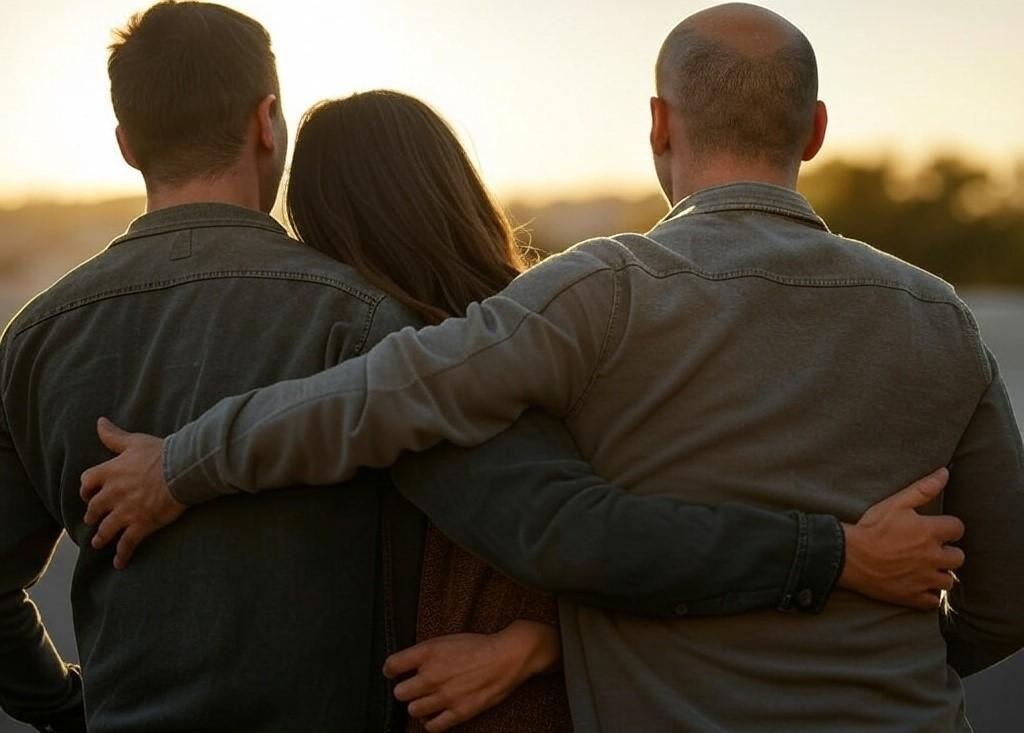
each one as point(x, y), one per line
point(820, 554)
point(188, 484)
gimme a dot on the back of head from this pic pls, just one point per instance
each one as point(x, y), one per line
point(744, 80)
point(380, 182)
point(185, 80)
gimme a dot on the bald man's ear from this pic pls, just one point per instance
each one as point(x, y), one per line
point(818, 133)
point(660, 135)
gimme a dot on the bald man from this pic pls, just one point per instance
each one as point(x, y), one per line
point(738, 346)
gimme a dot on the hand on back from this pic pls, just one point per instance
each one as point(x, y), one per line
point(896, 555)
point(451, 679)
point(127, 495)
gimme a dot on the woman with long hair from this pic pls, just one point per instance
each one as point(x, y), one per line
point(380, 182)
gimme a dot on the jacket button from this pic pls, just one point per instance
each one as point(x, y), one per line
point(805, 598)
point(682, 609)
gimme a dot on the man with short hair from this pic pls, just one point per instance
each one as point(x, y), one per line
point(255, 616)
point(739, 351)
point(277, 615)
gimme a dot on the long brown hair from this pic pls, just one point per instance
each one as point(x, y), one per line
point(380, 182)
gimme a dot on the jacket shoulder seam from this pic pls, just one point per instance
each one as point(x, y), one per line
point(19, 328)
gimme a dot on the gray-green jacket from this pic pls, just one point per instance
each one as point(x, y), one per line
point(737, 352)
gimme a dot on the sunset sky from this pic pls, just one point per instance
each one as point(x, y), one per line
point(550, 95)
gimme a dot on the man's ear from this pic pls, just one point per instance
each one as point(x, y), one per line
point(266, 117)
point(126, 149)
point(817, 138)
point(660, 136)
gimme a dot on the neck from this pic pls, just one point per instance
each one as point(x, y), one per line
point(230, 187)
point(688, 177)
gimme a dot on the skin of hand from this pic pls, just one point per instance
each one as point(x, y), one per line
point(896, 555)
point(454, 678)
point(128, 493)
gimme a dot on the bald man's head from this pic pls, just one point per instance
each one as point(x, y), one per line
point(744, 81)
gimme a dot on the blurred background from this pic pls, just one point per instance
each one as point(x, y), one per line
point(925, 156)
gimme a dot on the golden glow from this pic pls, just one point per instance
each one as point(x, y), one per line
point(550, 95)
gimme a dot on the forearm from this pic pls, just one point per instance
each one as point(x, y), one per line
point(463, 381)
point(320, 430)
point(527, 503)
point(987, 492)
point(36, 686)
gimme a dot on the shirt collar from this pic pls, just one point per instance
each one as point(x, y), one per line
point(197, 216)
point(748, 196)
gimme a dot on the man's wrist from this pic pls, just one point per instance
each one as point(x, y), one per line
point(539, 642)
point(848, 573)
point(187, 484)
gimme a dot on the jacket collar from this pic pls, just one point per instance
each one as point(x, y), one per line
point(197, 216)
point(748, 196)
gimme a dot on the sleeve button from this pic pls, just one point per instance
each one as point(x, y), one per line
point(805, 598)
point(682, 609)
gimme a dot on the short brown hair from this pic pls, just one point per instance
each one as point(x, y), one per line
point(185, 77)
point(380, 182)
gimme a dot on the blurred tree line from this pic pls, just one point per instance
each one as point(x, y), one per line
point(949, 216)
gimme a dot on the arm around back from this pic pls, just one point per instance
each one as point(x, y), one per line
point(985, 620)
point(537, 343)
point(528, 503)
point(36, 685)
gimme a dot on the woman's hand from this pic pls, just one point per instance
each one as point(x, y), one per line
point(454, 678)
point(128, 493)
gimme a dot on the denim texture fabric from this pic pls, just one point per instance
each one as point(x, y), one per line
point(738, 352)
point(254, 613)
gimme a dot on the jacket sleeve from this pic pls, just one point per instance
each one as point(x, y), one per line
point(36, 686)
point(529, 504)
point(984, 623)
point(538, 343)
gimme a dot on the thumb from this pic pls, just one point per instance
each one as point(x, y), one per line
point(922, 491)
point(112, 436)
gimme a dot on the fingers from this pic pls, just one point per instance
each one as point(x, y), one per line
point(952, 558)
point(943, 581)
point(130, 539)
point(922, 491)
point(413, 688)
point(111, 526)
point(926, 601)
point(92, 480)
point(427, 706)
point(947, 528)
point(405, 661)
point(444, 721)
point(112, 436)
point(99, 506)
